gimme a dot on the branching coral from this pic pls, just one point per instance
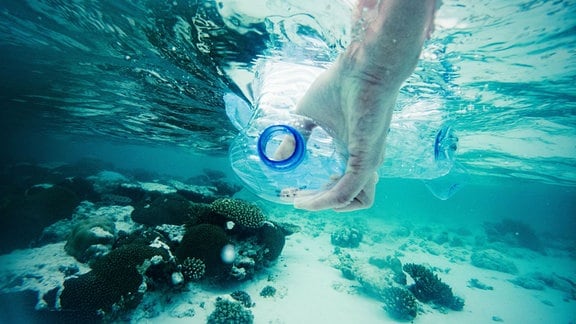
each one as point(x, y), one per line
point(400, 303)
point(428, 287)
point(193, 269)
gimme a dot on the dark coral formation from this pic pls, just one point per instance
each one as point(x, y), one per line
point(346, 237)
point(165, 209)
point(233, 239)
point(268, 291)
point(205, 242)
point(273, 239)
point(240, 212)
point(242, 297)
point(228, 312)
point(428, 288)
point(188, 233)
point(399, 303)
point(115, 279)
point(514, 233)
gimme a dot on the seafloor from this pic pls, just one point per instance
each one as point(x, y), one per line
point(88, 242)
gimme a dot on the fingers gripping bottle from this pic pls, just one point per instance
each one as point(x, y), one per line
point(280, 155)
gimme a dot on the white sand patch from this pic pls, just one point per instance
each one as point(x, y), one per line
point(40, 269)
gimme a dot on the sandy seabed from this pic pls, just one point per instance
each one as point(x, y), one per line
point(311, 289)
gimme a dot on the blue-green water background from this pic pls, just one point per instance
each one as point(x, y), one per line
point(140, 84)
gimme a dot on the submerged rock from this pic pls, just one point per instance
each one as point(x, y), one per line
point(91, 238)
point(346, 237)
point(171, 209)
point(493, 260)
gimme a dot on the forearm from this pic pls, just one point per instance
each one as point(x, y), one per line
point(388, 39)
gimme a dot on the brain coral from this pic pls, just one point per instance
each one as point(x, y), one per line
point(239, 211)
point(90, 238)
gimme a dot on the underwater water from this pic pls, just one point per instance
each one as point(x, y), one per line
point(136, 88)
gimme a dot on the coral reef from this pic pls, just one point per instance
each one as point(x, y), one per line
point(230, 312)
point(272, 238)
point(115, 279)
point(346, 237)
point(493, 260)
point(166, 209)
point(242, 297)
point(240, 212)
point(399, 303)
point(205, 242)
point(428, 287)
point(268, 291)
point(129, 251)
point(90, 238)
point(514, 233)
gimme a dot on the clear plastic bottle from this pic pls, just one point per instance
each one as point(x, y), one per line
point(280, 155)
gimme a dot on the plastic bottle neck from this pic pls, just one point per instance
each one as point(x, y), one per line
point(281, 147)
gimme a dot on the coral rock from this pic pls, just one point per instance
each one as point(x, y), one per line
point(400, 303)
point(240, 212)
point(493, 260)
point(429, 288)
point(227, 312)
point(90, 238)
point(346, 237)
point(205, 242)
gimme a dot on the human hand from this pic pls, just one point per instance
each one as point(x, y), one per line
point(355, 97)
point(358, 113)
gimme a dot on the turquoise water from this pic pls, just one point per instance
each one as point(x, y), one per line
point(79, 77)
point(140, 84)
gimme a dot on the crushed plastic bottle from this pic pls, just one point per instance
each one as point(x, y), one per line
point(280, 155)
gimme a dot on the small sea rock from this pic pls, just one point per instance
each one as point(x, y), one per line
point(493, 260)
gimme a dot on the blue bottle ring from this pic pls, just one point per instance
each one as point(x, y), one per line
point(290, 162)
